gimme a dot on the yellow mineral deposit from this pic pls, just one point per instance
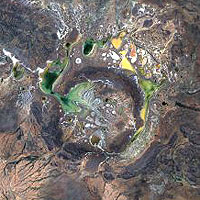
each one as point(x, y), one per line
point(123, 52)
point(143, 113)
point(117, 42)
point(125, 64)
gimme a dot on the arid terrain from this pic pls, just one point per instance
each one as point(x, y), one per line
point(99, 99)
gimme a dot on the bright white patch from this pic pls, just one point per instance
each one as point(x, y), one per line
point(40, 71)
point(114, 56)
point(133, 59)
point(60, 35)
point(87, 125)
point(14, 60)
point(78, 61)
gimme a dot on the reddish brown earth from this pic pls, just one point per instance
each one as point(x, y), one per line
point(38, 159)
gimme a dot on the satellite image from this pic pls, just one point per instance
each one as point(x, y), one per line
point(99, 99)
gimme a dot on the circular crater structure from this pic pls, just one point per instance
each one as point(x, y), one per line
point(102, 107)
point(99, 100)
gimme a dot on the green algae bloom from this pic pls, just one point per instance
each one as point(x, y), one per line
point(71, 103)
point(51, 74)
point(88, 46)
point(148, 87)
point(18, 72)
point(48, 79)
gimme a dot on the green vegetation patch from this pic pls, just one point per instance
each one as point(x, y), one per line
point(47, 82)
point(17, 72)
point(71, 103)
point(148, 87)
point(88, 46)
point(90, 43)
point(101, 43)
point(50, 75)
